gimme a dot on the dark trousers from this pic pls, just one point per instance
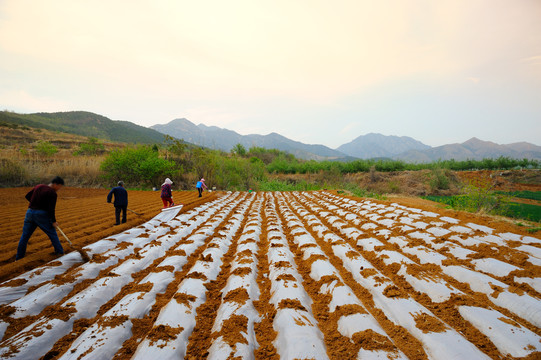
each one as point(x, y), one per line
point(200, 191)
point(33, 220)
point(118, 209)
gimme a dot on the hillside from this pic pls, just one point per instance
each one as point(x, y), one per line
point(17, 137)
point(85, 124)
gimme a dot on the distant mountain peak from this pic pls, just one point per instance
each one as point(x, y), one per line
point(475, 141)
point(374, 145)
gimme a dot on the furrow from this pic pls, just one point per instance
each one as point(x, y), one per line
point(38, 337)
point(169, 335)
point(350, 331)
point(441, 341)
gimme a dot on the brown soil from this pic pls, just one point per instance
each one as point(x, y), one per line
point(83, 215)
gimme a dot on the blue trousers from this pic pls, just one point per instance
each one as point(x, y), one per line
point(118, 209)
point(33, 220)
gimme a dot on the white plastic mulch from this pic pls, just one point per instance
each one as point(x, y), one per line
point(319, 238)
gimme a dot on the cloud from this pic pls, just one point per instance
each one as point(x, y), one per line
point(21, 101)
point(315, 51)
point(532, 59)
point(350, 128)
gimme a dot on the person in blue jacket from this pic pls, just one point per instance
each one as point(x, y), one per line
point(121, 201)
point(200, 184)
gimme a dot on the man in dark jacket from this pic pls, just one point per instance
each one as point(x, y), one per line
point(41, 213)
point(121, 201)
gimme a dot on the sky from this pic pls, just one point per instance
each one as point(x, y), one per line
point(319, 72)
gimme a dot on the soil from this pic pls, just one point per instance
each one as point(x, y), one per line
point(83, 215)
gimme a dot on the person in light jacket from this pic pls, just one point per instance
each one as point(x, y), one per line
point(121, 201)
point(166, 194)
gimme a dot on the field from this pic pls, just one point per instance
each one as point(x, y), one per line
point(83, 215)
point(292, 275)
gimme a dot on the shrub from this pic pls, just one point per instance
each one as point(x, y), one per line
point(45, 148)
point(394, 187)
point(479, 196)
point(439, 179)
point(92, 147)
point(140, 165)
point(11, 173)
point(236, 173)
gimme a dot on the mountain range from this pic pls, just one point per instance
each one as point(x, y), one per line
point(474, 149)
point(367, 146)
point(223, 139)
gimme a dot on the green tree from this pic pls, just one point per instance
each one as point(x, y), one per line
point(174, 146)
point(137, 165)
point(239, 149)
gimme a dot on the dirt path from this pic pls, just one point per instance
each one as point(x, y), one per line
point(284, 275)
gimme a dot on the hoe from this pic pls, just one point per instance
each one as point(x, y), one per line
point(84, 255)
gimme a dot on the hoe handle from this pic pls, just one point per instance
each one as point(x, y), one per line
point(64, 235)
point(136, 213)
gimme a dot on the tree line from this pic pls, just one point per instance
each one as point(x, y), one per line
point(242, 169)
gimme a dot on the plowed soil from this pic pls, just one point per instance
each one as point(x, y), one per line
point(83, 215)
point(300, 275)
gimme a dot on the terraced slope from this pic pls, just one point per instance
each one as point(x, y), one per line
point(306, 275)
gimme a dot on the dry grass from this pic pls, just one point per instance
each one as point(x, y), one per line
point(18, 155)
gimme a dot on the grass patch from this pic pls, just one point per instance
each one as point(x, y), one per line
point(534, 230)
point(278, 185)
point(525, 194)
point(512, 209)
point(524, 211)
point(360, 192)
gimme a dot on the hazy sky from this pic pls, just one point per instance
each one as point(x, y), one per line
point(320, 72)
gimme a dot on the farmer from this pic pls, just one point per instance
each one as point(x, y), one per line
point(200, 185)
point(166, 195)
point(41, 213)
point(121, 201)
